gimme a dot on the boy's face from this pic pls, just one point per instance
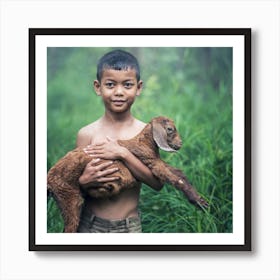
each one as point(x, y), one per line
point(118, 89)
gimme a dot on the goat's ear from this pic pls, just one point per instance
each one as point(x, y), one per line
point(160, 137)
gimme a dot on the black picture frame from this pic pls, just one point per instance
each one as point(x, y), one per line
point(34, 33)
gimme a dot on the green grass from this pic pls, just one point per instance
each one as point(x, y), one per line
point(192, 86)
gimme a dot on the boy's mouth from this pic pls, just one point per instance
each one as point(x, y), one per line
point(118, 102)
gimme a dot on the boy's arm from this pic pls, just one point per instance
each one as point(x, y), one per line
point(112, 150)
point(93, 173)
point(140, 171)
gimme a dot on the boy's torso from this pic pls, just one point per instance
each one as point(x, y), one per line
point(125, 204)
point(98, 131)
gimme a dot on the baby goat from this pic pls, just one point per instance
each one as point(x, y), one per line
point(63, 177)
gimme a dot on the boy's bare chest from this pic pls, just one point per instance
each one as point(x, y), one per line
point(99, 136)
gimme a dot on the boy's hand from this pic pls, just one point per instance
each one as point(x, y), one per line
point(95, 173)
point(106, 150)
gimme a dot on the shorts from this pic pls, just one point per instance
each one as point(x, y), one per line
point(89, 223)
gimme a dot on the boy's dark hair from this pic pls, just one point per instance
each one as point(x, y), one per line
point(118, 60)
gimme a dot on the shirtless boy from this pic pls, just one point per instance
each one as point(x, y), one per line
point(118, 84)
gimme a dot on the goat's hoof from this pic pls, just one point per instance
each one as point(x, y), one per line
point(202, 203)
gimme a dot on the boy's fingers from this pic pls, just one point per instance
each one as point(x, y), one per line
point(103, 165)
point(107, 179)
point(109, 171)
point(93, 151)
point(92, 146)
point(94, 161)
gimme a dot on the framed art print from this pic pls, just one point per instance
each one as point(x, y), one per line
point(201, 79)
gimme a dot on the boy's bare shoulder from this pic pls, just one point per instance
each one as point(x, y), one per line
point(139, 124)
point(133, 130)
point(85, 134)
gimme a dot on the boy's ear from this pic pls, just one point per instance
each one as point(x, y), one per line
point(97, 87)
point(139, 87)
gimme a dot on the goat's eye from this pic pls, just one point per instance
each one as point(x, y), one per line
point(169, 130)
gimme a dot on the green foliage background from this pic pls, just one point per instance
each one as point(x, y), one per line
point(193, 86)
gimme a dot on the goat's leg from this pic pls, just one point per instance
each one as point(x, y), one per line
point(70, 202)
point(168, 174)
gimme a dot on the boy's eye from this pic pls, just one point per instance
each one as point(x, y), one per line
point(128, 85)
point(109, 85)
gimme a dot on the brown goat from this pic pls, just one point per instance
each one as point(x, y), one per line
point(63, 177)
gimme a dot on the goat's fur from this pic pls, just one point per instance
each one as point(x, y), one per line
point(63, 177)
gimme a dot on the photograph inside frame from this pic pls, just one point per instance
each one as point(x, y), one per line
point(156, 140)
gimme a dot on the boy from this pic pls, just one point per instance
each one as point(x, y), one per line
point(118, 84)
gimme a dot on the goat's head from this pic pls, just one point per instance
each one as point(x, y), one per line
point(165, 134)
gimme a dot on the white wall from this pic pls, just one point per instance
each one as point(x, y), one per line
point(17, 262)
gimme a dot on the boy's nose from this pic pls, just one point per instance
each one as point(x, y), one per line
point(119, 90)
